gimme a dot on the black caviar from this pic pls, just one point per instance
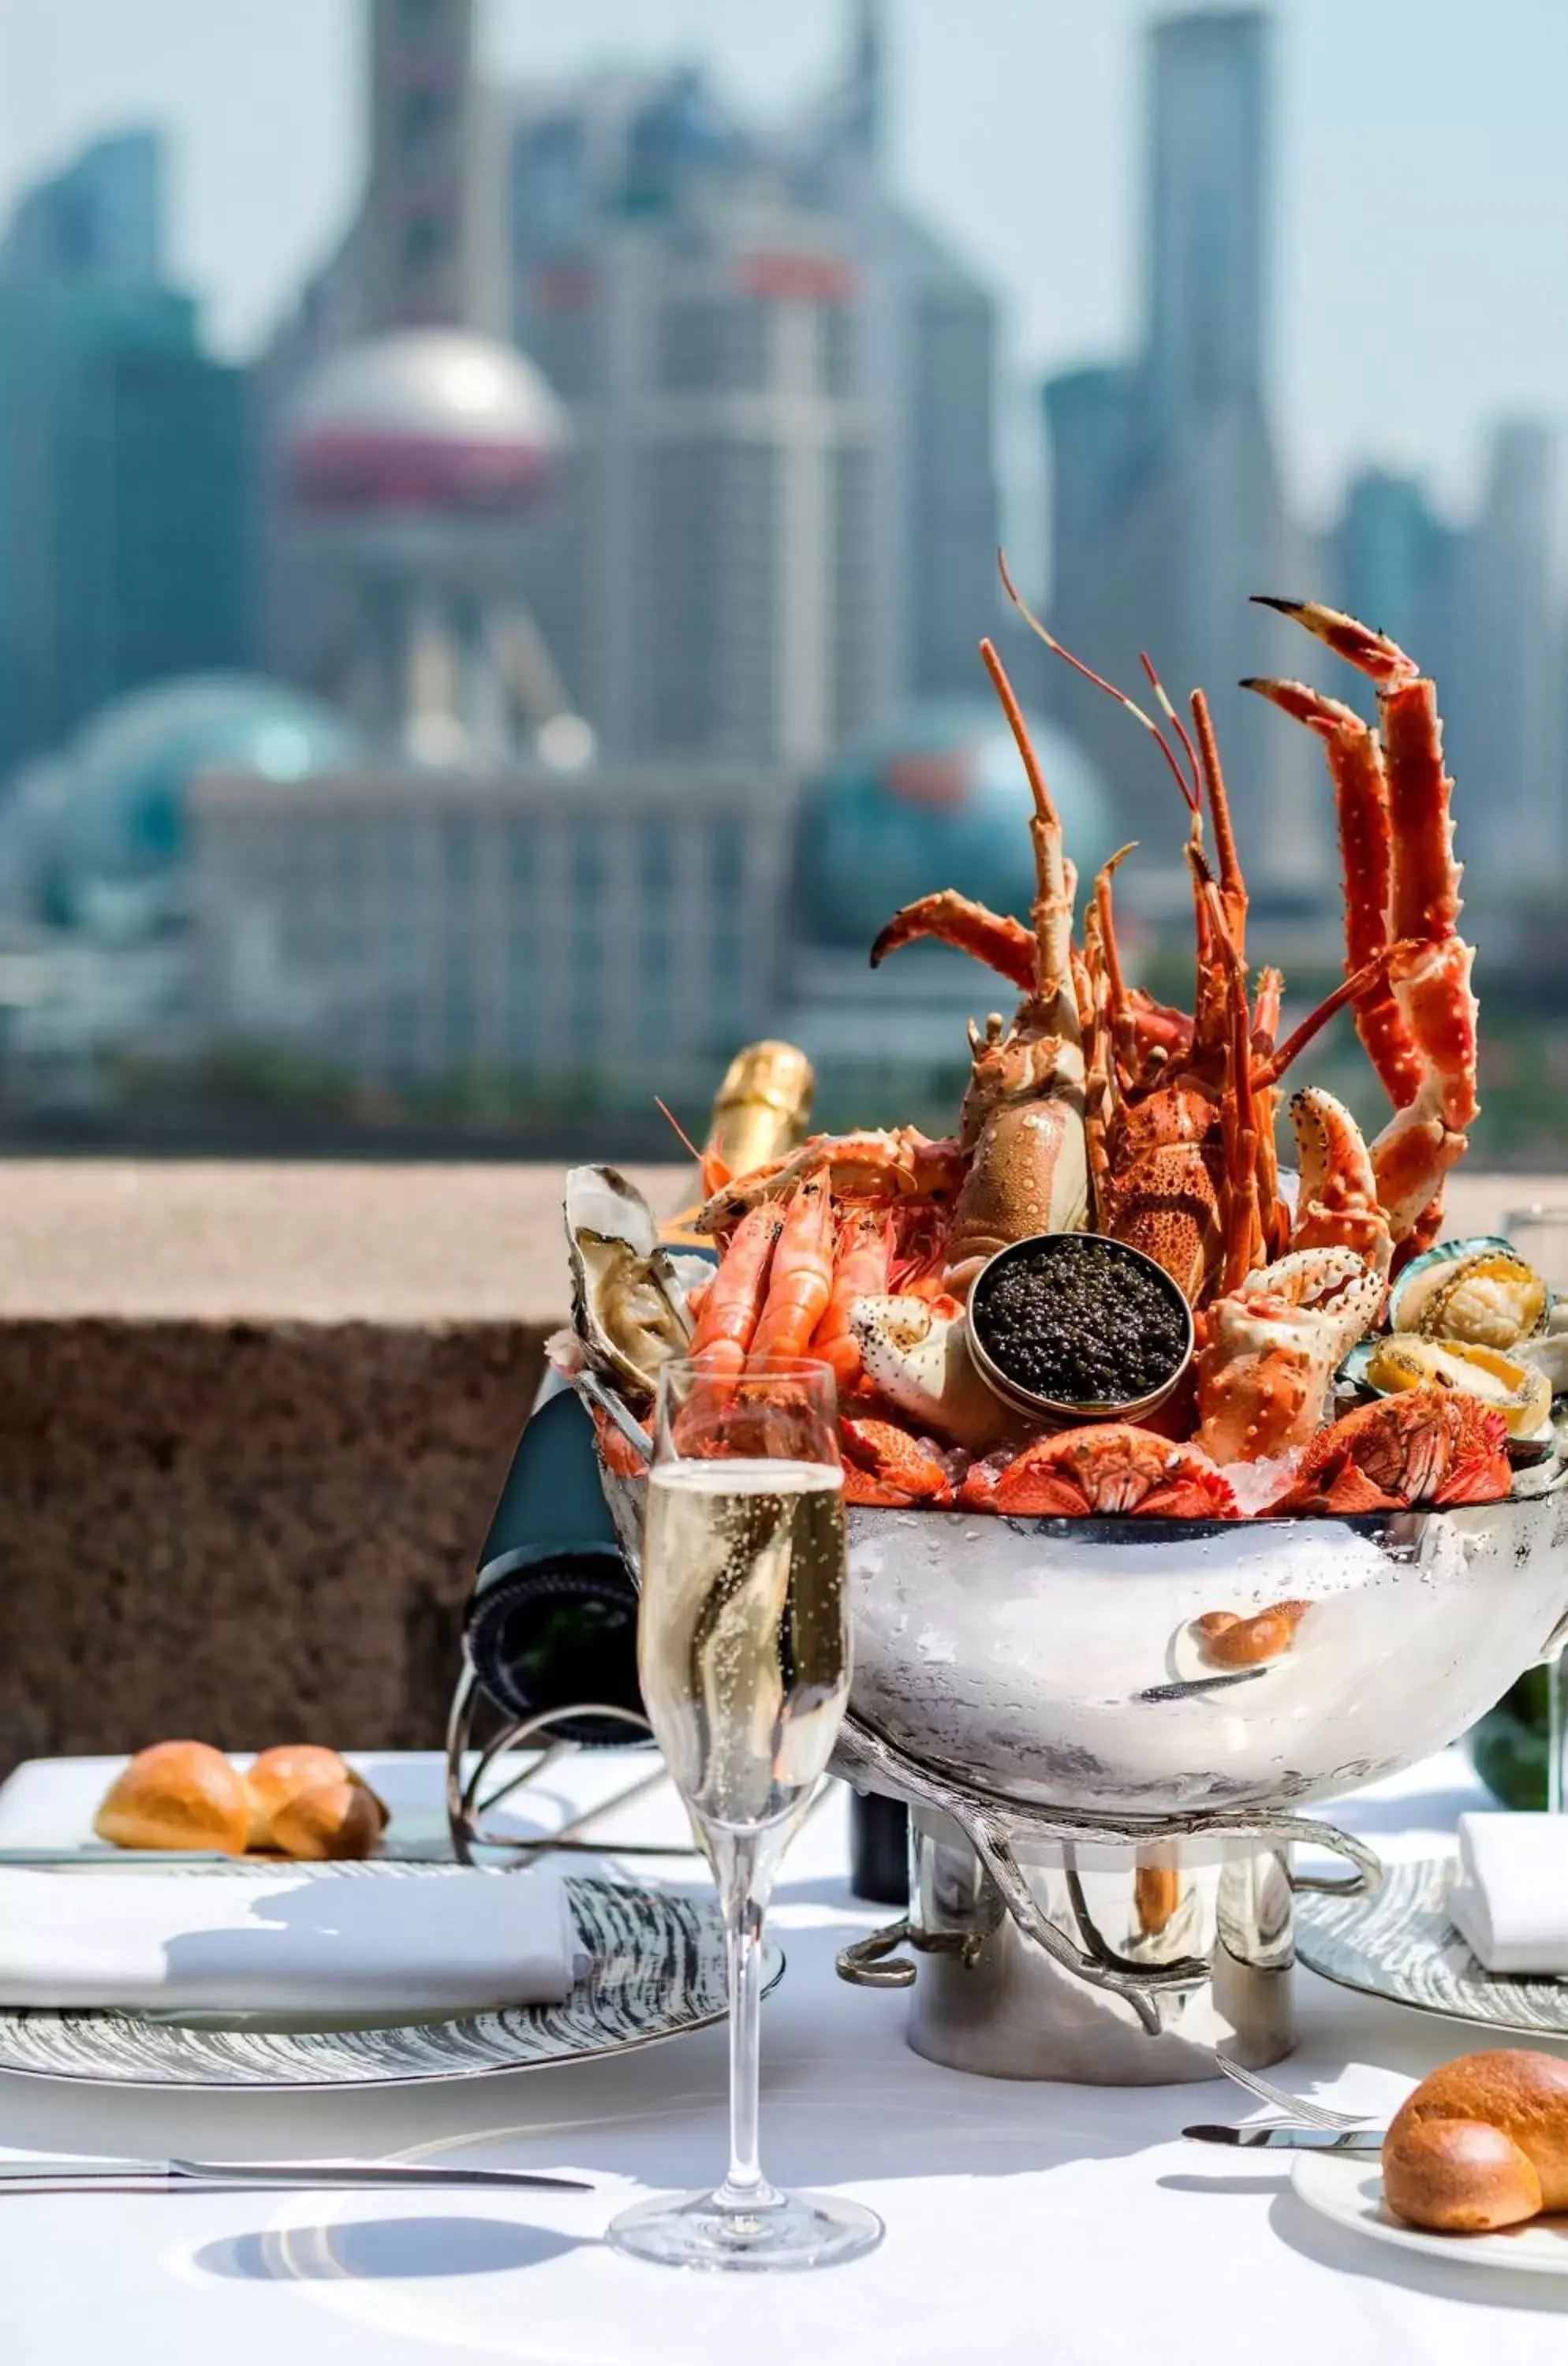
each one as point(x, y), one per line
point(1081, 1320)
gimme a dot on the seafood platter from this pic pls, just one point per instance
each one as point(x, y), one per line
point(1184, 1490)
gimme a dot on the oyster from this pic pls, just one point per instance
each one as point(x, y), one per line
point(628, 1294)
point(1481, 1292)
point(1520, 1391)
point(1550, 1350)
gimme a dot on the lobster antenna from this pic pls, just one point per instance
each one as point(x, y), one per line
point(679, 1131)
point(1088, 673)
point(1195, 795)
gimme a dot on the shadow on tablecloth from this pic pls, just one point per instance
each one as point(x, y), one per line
point(380, 2250)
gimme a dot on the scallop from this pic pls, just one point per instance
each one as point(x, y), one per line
point(1479, 1291)
point(1518, 1390)
point(628, 1296)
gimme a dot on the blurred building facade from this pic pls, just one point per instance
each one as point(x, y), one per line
point(123, 458)
point(1478, 604)
point(403, 927)
point(623, 482)
point(1167, 507)
point(779, 507)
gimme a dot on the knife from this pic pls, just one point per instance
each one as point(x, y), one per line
point(1291, 2139)
point(54, 2175)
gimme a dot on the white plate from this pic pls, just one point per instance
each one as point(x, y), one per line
point(658, 1970)
point(1349, 2190)
point(1399, 1943)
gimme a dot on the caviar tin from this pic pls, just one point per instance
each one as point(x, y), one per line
point(1052, 1409)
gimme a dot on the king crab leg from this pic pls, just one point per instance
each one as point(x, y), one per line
point(1366, 847)
point(1428, 975)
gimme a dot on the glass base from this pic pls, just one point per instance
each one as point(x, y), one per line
point(786, 2230)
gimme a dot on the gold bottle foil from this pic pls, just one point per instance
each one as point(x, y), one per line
point(761, 1111)
point(762, 1108)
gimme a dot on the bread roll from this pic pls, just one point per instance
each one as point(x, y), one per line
point(1481, 2143)
point(275, 1775)
point(330, 1820)
point(346, 1821)
point(178, 1795)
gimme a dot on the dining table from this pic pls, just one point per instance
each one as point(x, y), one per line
point(1025, 2221)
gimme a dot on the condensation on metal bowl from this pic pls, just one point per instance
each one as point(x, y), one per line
point(1059, 1664)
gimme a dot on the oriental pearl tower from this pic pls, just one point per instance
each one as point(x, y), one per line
point(419, 460)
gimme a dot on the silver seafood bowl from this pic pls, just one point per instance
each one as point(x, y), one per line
point(1057, 1664)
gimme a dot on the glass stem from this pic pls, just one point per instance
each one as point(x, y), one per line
point(1556, 1739)
point(744, 1862)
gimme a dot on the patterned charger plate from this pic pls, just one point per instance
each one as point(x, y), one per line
point(658, 1970)
point(1400, 1944)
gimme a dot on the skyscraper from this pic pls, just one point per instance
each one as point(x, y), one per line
point(1206, 204)
point(1476, 605)
point(123, 456)
point(101, 219)
point(1167, 508)
point(1393, 562)
point(715, 589)
point(418, 258)
point(1506, 735)
point(782, 505)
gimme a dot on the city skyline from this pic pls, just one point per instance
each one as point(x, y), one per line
point(1372, 108)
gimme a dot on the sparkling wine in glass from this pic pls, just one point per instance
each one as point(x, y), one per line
point(1539, 1232)
point(743, 1649)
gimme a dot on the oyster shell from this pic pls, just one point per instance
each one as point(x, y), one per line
point(628, 1294)
point(1520, 1391)
point(1550, 1350)
point(1481, 1292)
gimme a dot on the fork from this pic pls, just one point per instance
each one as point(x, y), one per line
point(1291, 2107)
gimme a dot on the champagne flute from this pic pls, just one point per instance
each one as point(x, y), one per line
point(1540, 1235)
point(743, 1649)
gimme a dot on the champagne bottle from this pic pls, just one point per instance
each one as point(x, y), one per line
point(759, 1112)
point(552, 1620)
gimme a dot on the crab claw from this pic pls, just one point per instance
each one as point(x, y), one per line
point(1107, 1468)
point(916, 1355)
point(1272, 1347)
point(1338, 1207)
point(883, 1464)
point(1373, 654)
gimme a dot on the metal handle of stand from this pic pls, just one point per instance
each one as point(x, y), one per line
point(1365, 1882)
point(865, 1963)
point(464, 1809)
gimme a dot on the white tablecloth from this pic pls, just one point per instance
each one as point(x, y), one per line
point(1056, 2226)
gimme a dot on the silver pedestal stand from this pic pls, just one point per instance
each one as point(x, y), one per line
point(468, 1803)
point(1065, 1948)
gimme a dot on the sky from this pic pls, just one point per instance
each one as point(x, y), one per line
point(1421, 202)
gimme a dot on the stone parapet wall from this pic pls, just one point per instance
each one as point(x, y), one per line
point(243, 1533)
point(252, 1424)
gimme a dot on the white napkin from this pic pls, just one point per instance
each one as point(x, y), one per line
point(1511, 1900)
point(291, 1943)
